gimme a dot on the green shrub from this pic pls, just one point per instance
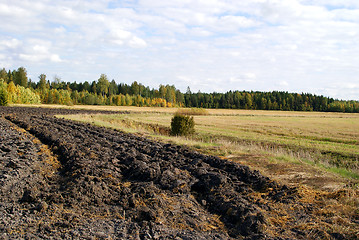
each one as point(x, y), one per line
point(3, 97)
point(182, 125)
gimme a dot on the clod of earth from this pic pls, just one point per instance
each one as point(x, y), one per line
point(112, 185)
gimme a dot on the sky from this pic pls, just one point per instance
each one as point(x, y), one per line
point(309, 46)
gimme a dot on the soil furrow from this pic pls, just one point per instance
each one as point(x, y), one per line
point(91, 186)
point(136, 166)
point(28, 177)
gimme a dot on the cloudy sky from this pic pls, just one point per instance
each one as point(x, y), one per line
point(210, 45)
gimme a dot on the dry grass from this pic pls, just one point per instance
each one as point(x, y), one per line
point(314, 212)
point(192, 111)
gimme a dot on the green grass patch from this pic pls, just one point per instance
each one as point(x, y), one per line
point(343, 172)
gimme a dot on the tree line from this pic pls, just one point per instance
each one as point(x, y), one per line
point(274, 100)
point(105, 92)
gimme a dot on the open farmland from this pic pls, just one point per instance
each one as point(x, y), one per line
point(65, 179)
point(325, 140)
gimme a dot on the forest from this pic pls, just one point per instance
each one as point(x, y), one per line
point(16, 87)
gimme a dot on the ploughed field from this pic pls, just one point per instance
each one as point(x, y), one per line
point(62, 179)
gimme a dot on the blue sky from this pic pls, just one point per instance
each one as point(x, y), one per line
point(210, 45)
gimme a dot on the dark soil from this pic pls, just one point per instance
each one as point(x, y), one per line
point(97, 183)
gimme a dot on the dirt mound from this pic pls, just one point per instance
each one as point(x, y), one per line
point(101, 183)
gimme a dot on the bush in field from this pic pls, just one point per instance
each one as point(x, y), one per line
point(182, 125)
point(3, 97)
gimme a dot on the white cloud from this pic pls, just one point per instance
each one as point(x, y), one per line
point(11, 43)
point(351, 15)
point(337, 90)
point(37, 50)
point(121, 37)
point(284, 83)
point(200, 32)
point(13, 11)
point(212, 45)
point(55, 58)
point(333, 3)
point(237, 21)
point(244, 78)
point(137, 42)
